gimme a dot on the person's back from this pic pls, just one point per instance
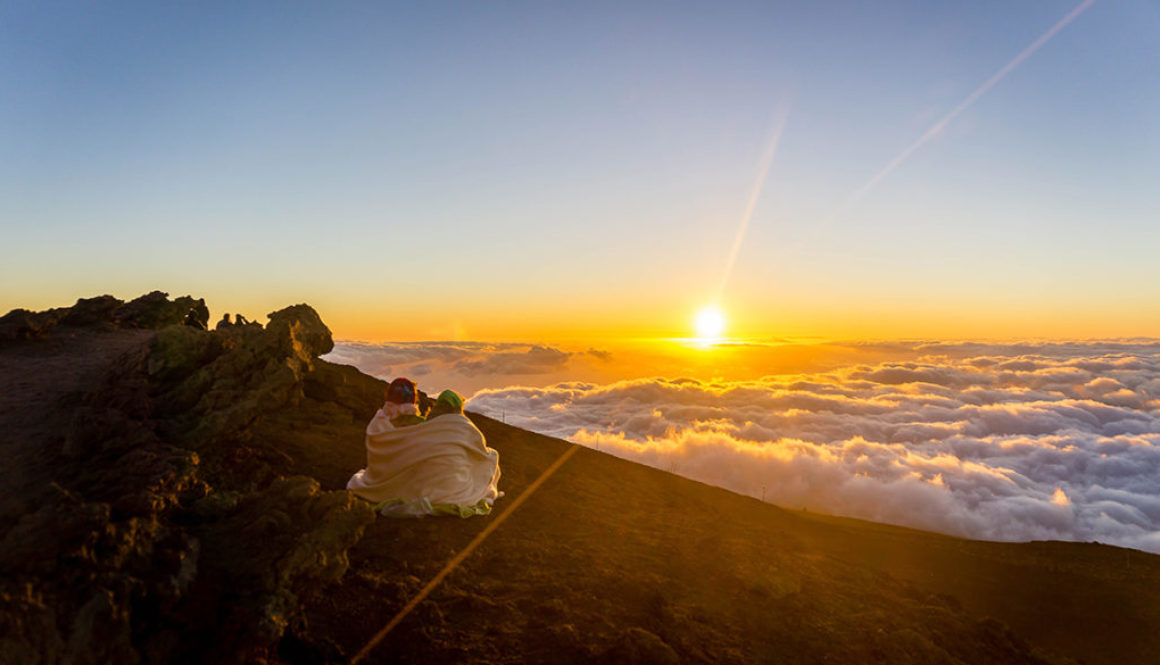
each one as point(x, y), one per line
point(401, 408)
point(448, 402)
point(407, 419)
point(440, 466)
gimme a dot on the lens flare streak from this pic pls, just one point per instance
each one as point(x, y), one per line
point(777, 126)
point(938, 127)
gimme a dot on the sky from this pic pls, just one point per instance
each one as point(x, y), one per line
point(545, 171)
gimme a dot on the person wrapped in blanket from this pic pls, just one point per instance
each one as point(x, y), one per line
point(401, 408)
point(439, 465)
point(448, 402)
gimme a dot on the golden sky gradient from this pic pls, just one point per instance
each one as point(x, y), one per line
point(983, 171)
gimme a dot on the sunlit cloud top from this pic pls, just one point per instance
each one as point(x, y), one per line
point(1028, 442)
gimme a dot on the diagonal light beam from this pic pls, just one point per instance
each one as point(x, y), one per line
point(939, 126)
point(458, 558)
point(778, 124)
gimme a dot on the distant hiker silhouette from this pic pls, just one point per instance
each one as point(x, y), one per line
point(224, 323)
point(198, 317)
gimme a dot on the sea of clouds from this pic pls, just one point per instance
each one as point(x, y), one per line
point(1015, 442)
point(463, 366)
point(1001, 442)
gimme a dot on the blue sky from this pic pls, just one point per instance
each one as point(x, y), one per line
point(584, 167)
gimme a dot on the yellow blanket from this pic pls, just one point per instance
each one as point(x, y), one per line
point(442, 466)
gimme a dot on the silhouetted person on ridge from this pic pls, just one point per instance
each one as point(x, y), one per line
point(241, 320)
point(197, 318)
point(224, 323)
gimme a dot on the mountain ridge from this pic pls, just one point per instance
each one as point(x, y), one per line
point(193, 483)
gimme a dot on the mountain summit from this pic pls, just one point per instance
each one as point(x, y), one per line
point(176, 495)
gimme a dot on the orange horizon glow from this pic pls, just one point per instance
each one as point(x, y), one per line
point(855, 323)
point(364, 316)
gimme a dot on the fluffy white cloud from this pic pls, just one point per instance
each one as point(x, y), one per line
point(464, 366)
point(1013, 442)
point(466, 358)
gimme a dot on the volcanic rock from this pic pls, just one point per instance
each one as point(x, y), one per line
point(150, 311)
point(170, 531)
point(24, 324)
point(155, 310)
point(90, 311)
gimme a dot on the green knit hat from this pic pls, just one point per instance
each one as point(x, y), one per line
point(450, 398)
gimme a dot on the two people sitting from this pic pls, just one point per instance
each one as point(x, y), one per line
point(402, 406)
point(239, 320)
point(434, 465)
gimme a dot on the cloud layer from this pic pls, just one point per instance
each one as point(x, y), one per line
point(1012, 442)
point(464, 366)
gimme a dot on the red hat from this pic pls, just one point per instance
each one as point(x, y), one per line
point(403, 391)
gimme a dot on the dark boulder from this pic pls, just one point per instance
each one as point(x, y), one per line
point(25, 324)
point(91, 311)
point(301, 331)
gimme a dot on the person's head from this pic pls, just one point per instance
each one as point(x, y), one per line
point(403, 391)
point(448, 401)
point(226, 317)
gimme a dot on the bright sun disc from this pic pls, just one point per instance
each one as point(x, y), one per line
point(710, 323)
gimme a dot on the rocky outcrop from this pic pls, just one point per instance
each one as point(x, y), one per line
point(209, 389)
point(266, 551)
point(175, 529)
point(73, 575)
point(91, 311)
point(153, 310)
point(25, 324)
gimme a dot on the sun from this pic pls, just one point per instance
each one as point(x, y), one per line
point(710, 323)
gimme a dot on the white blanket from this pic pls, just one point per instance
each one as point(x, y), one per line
point(442, 466)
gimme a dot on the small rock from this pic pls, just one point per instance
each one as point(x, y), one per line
point(638, 646)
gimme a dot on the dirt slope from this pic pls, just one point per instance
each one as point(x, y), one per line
point(608, 545)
